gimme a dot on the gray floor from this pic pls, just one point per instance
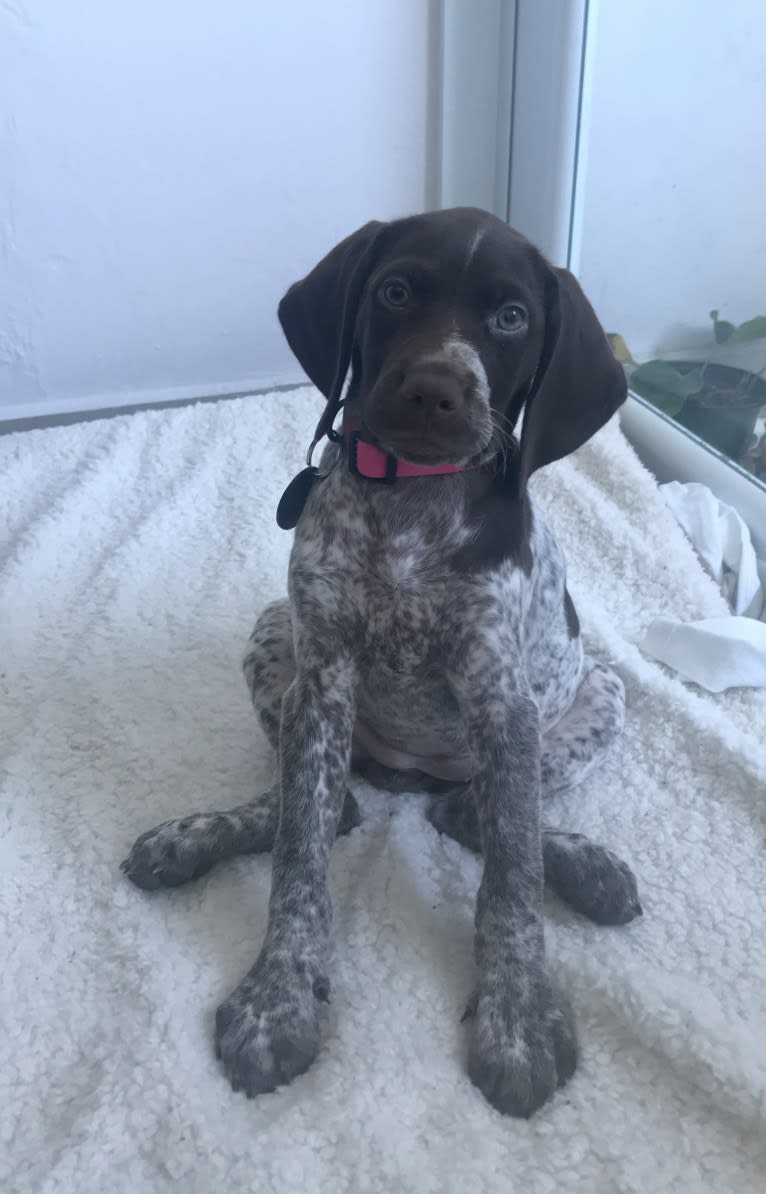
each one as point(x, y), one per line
point(87, 416)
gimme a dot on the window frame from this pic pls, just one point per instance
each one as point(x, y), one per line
point(536, 98)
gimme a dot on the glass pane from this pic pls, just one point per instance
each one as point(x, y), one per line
point(670, 216)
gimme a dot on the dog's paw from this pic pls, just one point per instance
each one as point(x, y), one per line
point(590, 878)
point(172, 853)
point(268, 1031)
point(519, 1055)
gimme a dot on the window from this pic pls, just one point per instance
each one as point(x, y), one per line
point(637, 134)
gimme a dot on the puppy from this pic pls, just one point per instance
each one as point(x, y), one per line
point(428, 637)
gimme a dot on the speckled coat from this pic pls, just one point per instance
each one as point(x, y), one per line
point(428, 638)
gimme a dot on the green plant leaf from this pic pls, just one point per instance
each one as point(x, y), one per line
point(665, 387)
point(752, 329)
point(661, 375)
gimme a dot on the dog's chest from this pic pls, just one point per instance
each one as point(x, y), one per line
point(402, 597)
point(387, 590)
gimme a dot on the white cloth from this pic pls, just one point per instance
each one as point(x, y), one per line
point(722, 541)
point(134, 555)
point(717, 653)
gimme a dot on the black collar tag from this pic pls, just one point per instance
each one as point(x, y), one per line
point(295, 497)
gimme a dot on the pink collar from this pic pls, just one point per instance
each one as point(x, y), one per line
point(366, 460)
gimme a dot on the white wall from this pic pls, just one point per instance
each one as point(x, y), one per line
point(168, 167)
point(670, 212)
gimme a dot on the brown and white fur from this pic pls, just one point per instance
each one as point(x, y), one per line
point(428, 637)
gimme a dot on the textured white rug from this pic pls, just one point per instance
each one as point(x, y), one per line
point(135, 555)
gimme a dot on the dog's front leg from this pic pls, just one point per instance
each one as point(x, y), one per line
point(523, 1044)
point(268, 1030)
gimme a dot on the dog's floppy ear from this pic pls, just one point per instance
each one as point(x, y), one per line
point(318, 313)
point(578, 385)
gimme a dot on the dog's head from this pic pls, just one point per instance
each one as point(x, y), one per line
point(452, 323)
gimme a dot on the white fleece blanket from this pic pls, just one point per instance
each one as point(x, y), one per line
point(136, 552)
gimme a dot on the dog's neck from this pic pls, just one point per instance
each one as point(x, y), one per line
point(484, 500)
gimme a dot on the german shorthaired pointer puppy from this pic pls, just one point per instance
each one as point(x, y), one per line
point(429, 636)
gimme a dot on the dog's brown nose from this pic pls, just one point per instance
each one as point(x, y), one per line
point(429, 392)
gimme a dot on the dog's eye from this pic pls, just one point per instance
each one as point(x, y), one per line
point(395, 293)
point(511, 318)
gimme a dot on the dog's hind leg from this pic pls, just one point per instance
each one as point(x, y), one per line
point(187, 847)
point(586, 875)
point(581, 739)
